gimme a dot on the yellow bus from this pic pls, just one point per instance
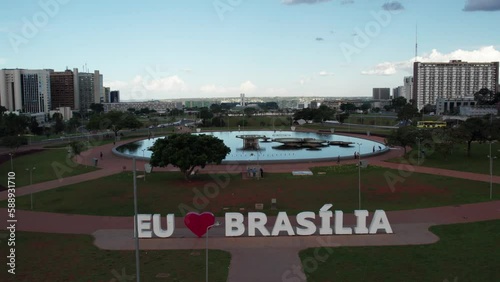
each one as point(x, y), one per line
point(431, 124)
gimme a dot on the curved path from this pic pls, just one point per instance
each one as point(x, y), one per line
point(277, 257)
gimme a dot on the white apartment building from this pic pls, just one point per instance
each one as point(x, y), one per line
point(407, 88)
point(451, 80)
point(26, 91)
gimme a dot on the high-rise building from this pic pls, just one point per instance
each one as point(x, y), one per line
point(90, 89)
point(114, 96)
point(455, 79)
point(63, 91)
point(242, 100)
point(395, 93)
point(106, 94)
point(408, 88)
point(381, 93)
point(25, 90)
point(314, 104)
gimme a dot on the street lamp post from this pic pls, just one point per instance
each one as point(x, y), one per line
point(418, 148)
point(11, 163)
point(491, 172)
point(206, 248)
point(31, 183)
point(136, 227)
point(359, 175)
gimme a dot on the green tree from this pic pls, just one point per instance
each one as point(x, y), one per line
point(342, 117)
point(216, 109)
point(407, 112)
point(113, 120)
point(13, 142)
point(188, 151)
point(249, 111)
point(175, 112)
point(366, 106)
point(35, 127)
point(427, 109)
point(218, 122)
point(403, 136)
point(486, 97)
point(445, 140)
point(58, 123)
point(473, 129)
point(77, 147)
point(13, 124)
point(126, 121)
point(348, 107)
point(73, 123)
point(97, 108)
point(398, 103)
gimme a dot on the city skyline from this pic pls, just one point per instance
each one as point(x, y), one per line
point(222, 48)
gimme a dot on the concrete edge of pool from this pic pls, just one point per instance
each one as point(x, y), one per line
point(298, 160)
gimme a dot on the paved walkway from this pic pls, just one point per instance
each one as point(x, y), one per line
point(277, 257)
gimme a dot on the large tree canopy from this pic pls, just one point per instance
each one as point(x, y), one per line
point(486, 97)
point(403, 136)
point(407, 112)
point(113, 120)
point(188, 151)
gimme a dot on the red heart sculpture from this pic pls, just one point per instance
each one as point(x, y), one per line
point(198, 223)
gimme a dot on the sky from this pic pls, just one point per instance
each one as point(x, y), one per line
point(168, 49)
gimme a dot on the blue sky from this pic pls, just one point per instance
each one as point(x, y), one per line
point(220, 48)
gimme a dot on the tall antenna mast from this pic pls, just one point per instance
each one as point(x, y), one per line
point(416, 41)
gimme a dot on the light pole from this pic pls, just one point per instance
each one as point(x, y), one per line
point(418, 147)
point(31, 183)
point(206, 248)
point(136, 231)
point(11, 163)
point(359, 175)
point(143, 152)
point(491, 172)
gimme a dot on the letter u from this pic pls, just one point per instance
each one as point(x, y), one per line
point(158, 230)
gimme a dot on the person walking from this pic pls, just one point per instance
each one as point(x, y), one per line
point(101, 155)
point(338, 159)
point(261, 173)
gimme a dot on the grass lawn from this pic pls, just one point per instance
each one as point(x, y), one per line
point(465, 252)
point(478, 162)
point(48, 164)
point(62, 257)
point(169, 192)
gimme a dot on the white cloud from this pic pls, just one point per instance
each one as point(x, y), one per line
point(3, 61)
point(212, 88)
point(305, 80)
point(145, 88)
point(167, 84)
point(483, 54)
point(386, 68)
point(247, 87)
point(276, 91)
point(325, 73)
